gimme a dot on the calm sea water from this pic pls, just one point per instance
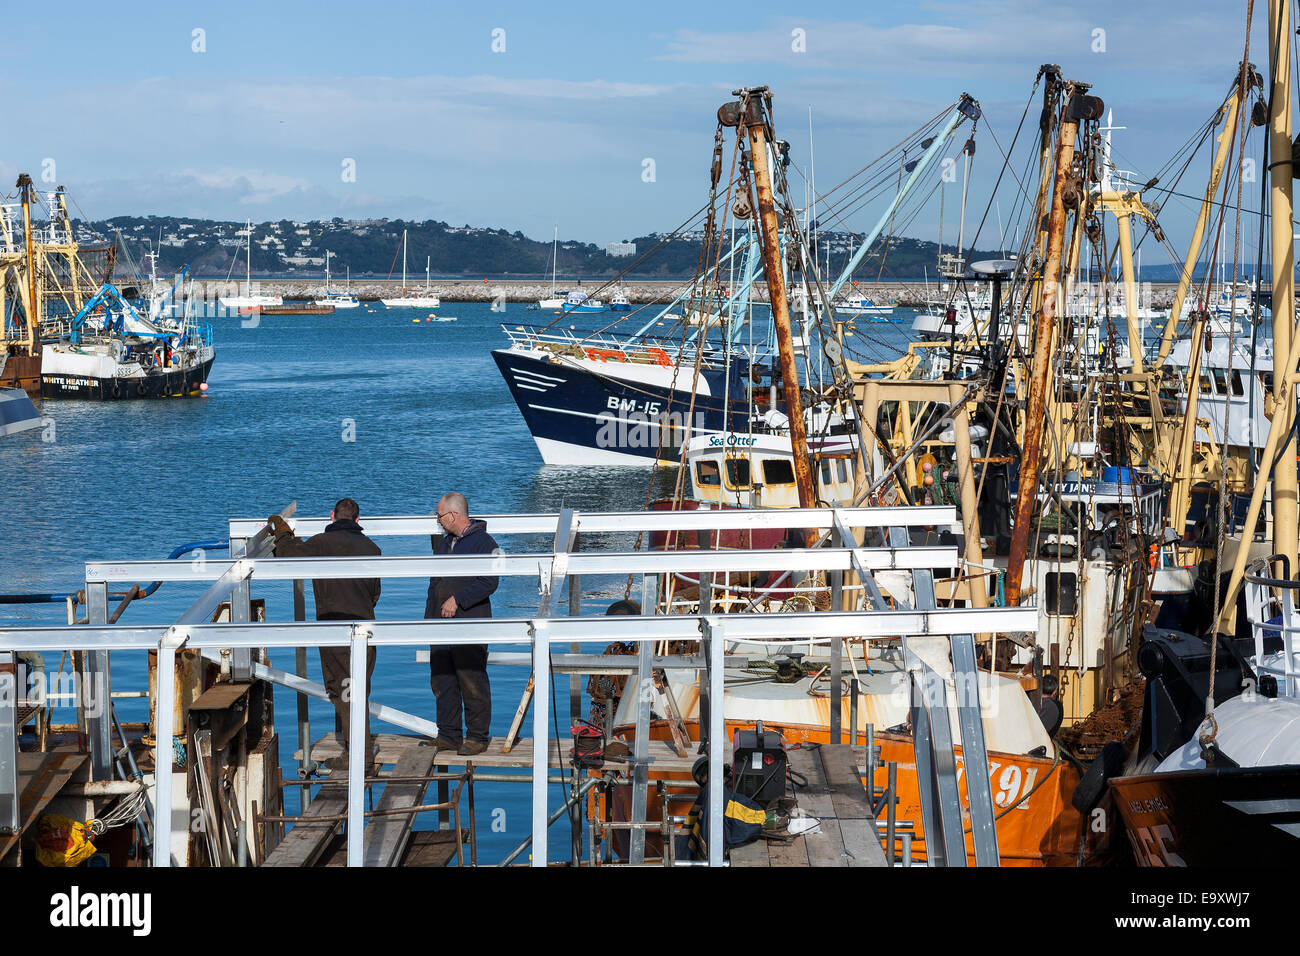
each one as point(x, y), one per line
point(372, 403)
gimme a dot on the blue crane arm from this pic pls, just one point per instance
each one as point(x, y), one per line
point(107, 296)
point(967, 108)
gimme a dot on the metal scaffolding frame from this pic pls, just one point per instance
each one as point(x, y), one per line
point(232, 580)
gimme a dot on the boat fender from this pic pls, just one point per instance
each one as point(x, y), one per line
point(116, 390)
point(1109, 763)
point(140, 389)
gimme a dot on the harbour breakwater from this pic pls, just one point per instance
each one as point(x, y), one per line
point(642, 291)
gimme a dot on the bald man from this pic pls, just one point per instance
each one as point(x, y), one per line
point(458, 674)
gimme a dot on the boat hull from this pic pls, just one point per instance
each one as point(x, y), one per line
point(579, 416)
point(424, 302)
point(22, 371)
point(1227, 816)
point(172, 383)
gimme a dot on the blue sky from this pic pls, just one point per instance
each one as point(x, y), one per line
point(555, 129)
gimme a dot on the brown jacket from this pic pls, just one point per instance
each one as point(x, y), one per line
point(338, 598)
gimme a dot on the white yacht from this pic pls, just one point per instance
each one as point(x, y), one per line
point(340, 300)
point(555, 302)
point(248, 300)
point(414, 299)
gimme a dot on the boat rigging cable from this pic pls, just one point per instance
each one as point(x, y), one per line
point(710, 232)
point(1207, 737)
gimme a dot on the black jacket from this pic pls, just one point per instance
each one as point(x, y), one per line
point(472, 593)
point(347, 598)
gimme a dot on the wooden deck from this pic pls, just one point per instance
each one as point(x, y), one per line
point(395, 747)
point(390, 840)
point(834, 794)
point(836, 797)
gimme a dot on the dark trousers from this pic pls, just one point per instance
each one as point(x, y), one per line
point(336, 669)
point(458, 675)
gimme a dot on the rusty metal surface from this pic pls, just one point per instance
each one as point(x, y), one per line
point(1035, 408)
point(775, 277)
point(220, 696)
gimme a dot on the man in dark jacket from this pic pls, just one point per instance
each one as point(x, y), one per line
point(340, 599)
point(458, 674)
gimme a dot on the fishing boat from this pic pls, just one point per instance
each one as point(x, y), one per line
point(601, 400)
point(1213, 778)
point(110, 351)
point(79, 336)
point(618, 302)
point(248, 300)
point(414, 299)
point(1208, 785)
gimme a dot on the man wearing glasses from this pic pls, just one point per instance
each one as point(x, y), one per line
point(458, 673)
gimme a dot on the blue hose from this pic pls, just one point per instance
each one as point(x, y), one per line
point(44, 598)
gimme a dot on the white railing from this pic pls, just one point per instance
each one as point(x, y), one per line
point(231, 580)
point(1271, 608)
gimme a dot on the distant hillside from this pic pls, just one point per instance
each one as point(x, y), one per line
point(372, 248)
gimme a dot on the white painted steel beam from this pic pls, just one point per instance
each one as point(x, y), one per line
point(172, 640)
point(606, 521)
point(541, 633)
point(528, 565)
point(357, 746)
point(800, 626)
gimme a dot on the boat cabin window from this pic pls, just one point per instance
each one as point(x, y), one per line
point(842, 469)
point(826, 473)
point(1205, 384)
point(1266, 379)
point(1062, 593)
point(778, 471)
point(738, 473)
point(1236, 383)
point(1220, 381)
point(707, 473)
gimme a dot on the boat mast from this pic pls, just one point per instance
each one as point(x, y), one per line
point(1284, 337)
point(427, 260)
point(248, 259)
point(752, 112)
point(555, 252)
point(1202, 220)
point(1078, 106)
point(1281, 173)
point(1180, 489)
point(403, 260)
point(25, 189)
